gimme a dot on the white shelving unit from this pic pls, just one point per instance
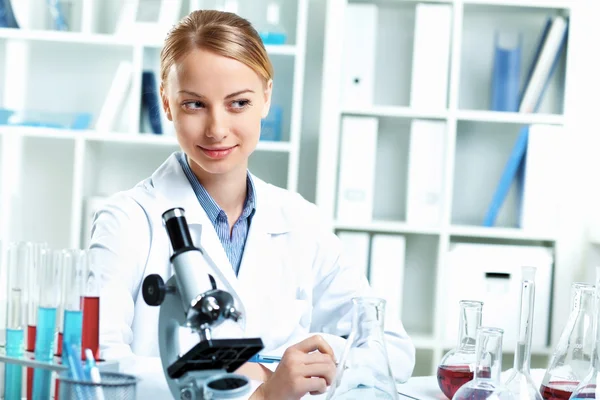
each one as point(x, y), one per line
point(46, 175)
point(478, 143)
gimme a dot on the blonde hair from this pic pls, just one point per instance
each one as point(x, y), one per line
point(222, 33)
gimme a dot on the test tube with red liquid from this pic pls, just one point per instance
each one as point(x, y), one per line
point(90, 304)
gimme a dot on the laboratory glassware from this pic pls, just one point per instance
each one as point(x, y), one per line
point(457, 366)
point(65, 260)
point(589, 387)
point(364, 370)
point(273, 33)
point(32, 294)
point(18, 258)
point(49, 279)
point(90, 305)
point(486, 383)
point(519, 381)
point(572, 357)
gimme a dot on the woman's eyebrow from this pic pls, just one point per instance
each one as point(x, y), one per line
point(188, 92)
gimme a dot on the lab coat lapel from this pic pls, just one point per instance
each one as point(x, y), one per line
point(261, 259)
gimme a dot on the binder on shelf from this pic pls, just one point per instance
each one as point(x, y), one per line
point(425, 172)
point(506, 76)
point(387, 271)
point(151, 104)
point(359, 54)
point(115, 98)
point(357, 169)
point(539, 206)
point(355, 250)
point(544, 64)
point(431, 56)
point(509, 175)
point(7, 15)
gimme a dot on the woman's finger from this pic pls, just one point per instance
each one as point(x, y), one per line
point(313, 343)
point(314, 386)
point(326, 371)
point(318, 358)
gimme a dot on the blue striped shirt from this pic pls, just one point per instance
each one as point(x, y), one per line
point(233, 244)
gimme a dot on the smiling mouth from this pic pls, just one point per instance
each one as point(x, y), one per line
point(217, 153)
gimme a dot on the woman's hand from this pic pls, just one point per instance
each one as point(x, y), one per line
point(254, 371)
point(306, 367)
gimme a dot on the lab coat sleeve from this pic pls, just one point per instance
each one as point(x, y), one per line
point(334, 287)
point(119, 246)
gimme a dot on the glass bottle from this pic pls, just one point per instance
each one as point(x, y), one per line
point(364, 370)
point(273, 33)
point(486, 383)
point(457, 366)
point(520, 381)
point(571, 359)
point(589, 387)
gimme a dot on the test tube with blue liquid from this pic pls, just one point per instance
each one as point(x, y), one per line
point(49, 281)
point(75, 281)
point(32, 301)
point(18, 257)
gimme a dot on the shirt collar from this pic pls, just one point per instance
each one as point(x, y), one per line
point(209, 205)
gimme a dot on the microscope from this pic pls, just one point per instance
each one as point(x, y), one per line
point(191, 299)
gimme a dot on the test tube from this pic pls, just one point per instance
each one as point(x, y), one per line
point(32, 294)
point(90, 304)
point(49, 281)
point(66, 264)
point(18, 258)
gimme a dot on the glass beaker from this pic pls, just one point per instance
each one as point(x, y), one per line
point(364, 370)
point(571, 359)
point(457, 366)
point(519, 381)
point(589, 387)
point(486, 383)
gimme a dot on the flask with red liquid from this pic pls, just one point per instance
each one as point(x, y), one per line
point(570, 361)
point(589, 387)
point(457, 366)
point(486, 383)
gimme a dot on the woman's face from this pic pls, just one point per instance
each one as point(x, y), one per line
point(216, 105)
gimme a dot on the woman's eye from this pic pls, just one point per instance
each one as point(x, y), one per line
point(240, 104)
point(194, 105)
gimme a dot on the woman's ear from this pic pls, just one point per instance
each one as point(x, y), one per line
point(165, 102)
point(268, 92)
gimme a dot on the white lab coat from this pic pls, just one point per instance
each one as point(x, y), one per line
point(290, 281)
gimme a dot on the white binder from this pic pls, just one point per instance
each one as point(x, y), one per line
point(426, 172)
point(359, 54)
point(431, 56)
point(355, 250)
point(387, 271)
point(357, 169)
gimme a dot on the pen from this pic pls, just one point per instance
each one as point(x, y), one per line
point(257, 358)
point(94, 373)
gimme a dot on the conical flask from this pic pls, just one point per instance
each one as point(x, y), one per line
point(572, 357)
point(364, 370)
point(520, 382)
point(589, 387)
point(486, 383)
point(457, 365)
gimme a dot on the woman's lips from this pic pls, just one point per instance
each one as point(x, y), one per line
point(217, 153)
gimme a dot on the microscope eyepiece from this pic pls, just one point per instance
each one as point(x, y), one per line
point(177, 229)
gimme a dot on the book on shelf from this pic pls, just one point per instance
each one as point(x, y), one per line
point(150, 115)
point(115, 97)
point(7, 15)
point(547, 56)
point(506, 74)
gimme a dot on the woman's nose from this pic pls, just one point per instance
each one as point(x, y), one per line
point(217, 127)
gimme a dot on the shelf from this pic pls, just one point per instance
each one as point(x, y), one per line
point(387, 227)
point(144, 139)
point(517, 3)
point(499, 233)
point(106, 39)
point(394, 111)
point(63, 37)
point(509, 117)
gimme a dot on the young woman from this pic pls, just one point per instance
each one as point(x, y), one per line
point(268, 243)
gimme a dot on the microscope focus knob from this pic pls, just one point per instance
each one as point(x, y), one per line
point(154, 290)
